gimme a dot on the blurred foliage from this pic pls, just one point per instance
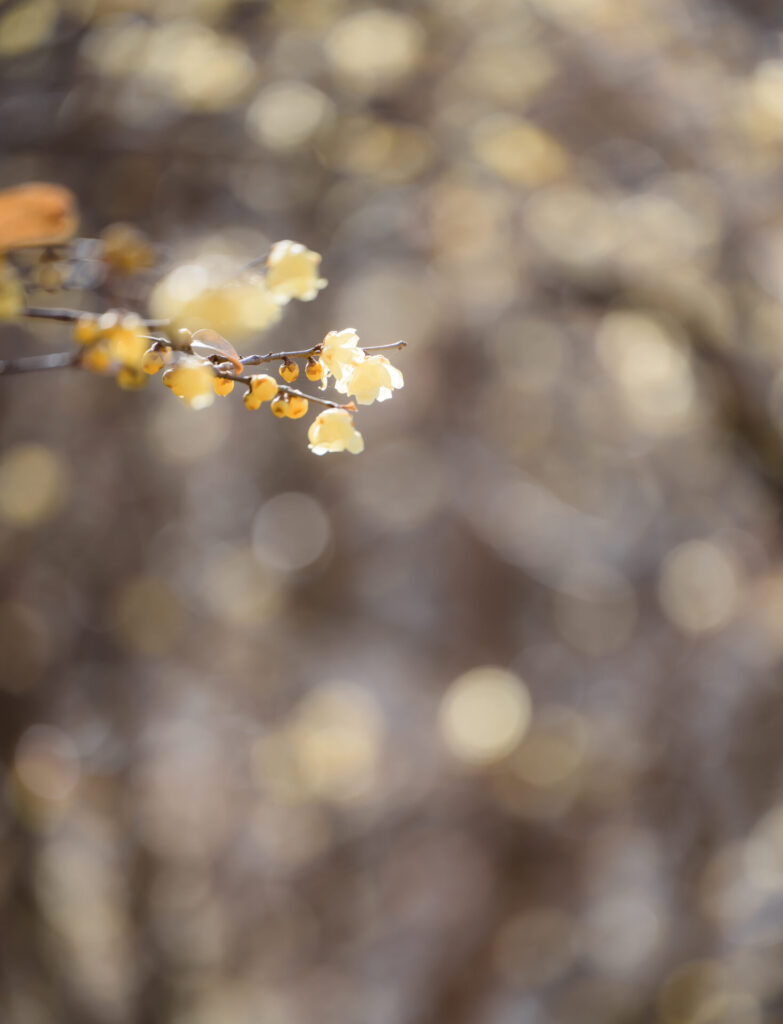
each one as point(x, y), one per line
point(483, 726)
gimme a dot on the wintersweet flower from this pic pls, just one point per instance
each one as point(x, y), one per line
point(292, 272)
point(340, 353)
point(191, 380)
point(333, 431)
point(372, 380)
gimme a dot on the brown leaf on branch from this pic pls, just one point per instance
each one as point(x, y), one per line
point(208, 343)
point(37, 213)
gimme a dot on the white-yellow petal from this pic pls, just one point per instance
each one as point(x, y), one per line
point(333, 431)
point(292, 272)
point(373, 380)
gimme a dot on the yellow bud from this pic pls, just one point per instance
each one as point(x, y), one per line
point(263, 387)
point(279, 407)
point(251, 401)
point(289, 371)
point(222, 386)
point(127, 342)
point(314, 370)
point(131, 379)
point(86, 331)
point(297, 406)
point(152, 361)
point(96, 359)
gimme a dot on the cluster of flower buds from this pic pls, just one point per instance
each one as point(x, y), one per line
point(192, 312)
point(200, 365)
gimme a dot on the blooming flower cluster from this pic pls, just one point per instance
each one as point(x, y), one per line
point(185, 341)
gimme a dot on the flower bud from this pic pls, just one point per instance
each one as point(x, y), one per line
point(289, 371)
point(314, 369)
point(297, 406)
point(279, 406)
point(263, 387)
point(86, 330)
point(222, 386)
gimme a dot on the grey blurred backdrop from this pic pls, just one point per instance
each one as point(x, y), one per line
point(257, 765)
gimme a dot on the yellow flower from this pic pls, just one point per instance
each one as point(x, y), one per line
point(340, 353)
point(96, 358)
point(292, 272)
point(333, 431)
point(86, 330)
point(127, 342)
point(191, 380)
point(193, 298)
point(372, 380)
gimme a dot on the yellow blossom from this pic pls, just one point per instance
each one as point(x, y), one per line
point(292, 272)
point(340, 353)
point(130, 378)
point(372, 380)
point(191, 380)
point(96, 358)
point(86, 330)
point(333, 431)
point(127, 342)
point(191, 297)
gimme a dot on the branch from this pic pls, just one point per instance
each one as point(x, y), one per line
point(71, 315)
point(272, 356)
point(32, 364)
point(283, 389)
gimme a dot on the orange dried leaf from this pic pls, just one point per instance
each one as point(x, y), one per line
point(207, 343)
point(36, 214)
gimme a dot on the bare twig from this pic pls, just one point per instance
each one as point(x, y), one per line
point(33, 364)
point(71, 315)
point(270, 357)
point(285, 390)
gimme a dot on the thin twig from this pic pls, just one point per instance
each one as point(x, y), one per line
point(285, 390)
point(32, 364)
point(71, 315)
point(270, 357)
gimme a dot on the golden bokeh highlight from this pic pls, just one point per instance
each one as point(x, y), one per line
point(483, 715)
point(33, 484)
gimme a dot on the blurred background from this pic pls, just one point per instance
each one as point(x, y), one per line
point(483, 725)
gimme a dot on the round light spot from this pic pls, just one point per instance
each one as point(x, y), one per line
point(484, 714)
point(290, 532)
point(33, 482)
point(375, 46)
point(699, 586)
point(46, 763)
point(286, 115)
point(336, 737)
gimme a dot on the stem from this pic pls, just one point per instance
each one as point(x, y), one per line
point(285, 390)
point(32, 364)
point(70, 315)
point(271, 356)
point(303, 353)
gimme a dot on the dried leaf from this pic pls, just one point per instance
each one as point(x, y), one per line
point(207, 343)
point(36, 214)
